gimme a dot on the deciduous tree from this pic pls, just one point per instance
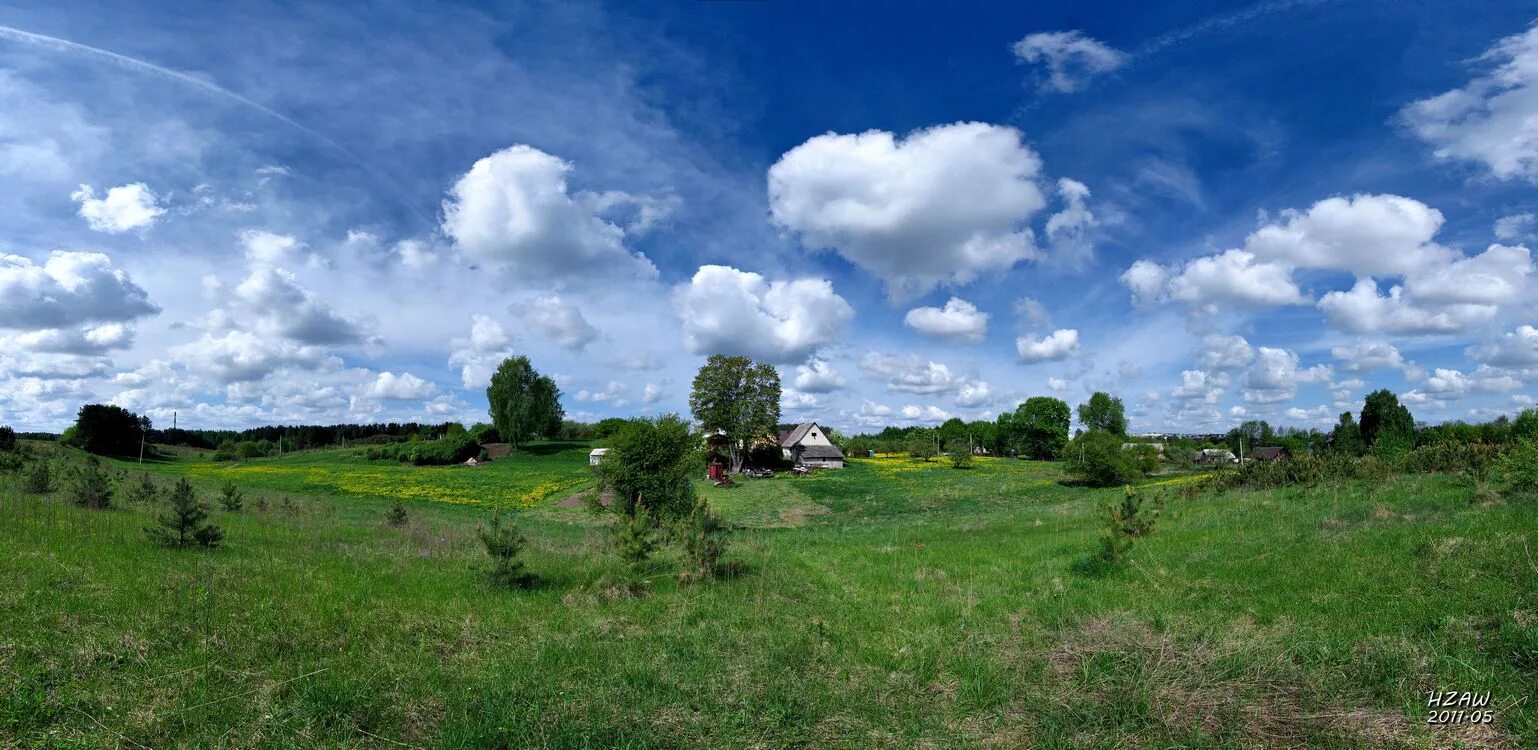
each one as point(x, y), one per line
point(108, 430)
point(739, 398)
point(1041, 424)
point(1382, 415)
point(1104, 412)
point(524, 404)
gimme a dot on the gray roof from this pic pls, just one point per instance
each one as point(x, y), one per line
point(819, 451)
point(795, 436)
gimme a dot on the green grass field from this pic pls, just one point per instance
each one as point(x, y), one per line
point(891, 604)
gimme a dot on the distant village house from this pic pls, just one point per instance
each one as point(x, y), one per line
point(807, 445)
point(1215, 456)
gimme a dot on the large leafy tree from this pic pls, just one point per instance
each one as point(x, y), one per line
point(1104, 412)
point(108, 430)
point(1347, 436)
point(524, 404)
point(982, 433)
point(1042, 425)
point(1384, 417)
point(1247, 437)
point(1006, 434)
point(739, 398)
point(953, 435)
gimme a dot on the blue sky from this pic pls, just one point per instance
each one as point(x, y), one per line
point(258, 213)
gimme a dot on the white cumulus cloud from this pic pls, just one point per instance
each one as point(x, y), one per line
point(123, 208)
point(943, 204)
point(727, 311)
point(388, 386)
point(513, 210)
point(817, 376)
point(910, 373)
point(559, 321)
point(70, 288)
point(1060, 344)
point(959, 320)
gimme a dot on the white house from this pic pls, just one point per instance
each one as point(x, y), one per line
point(807, 445)
point(595, 456)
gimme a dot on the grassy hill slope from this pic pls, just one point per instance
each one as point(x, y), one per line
point(892, 604)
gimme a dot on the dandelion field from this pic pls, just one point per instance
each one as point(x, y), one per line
point(893, 604)
point(517, 481)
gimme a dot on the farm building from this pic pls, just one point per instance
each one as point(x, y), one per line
point(595, 457)
point(807, 445)
point(1215, 456)
point(1268, 453)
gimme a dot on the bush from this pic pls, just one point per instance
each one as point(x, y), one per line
point(703, 537)
point(1517, 468)
point(921, 446)
point(227, 452)
point(485, 433)
point(230, 497)
point(1124, 522)
point(635, 538)
point(7, 439)
point(39, 478)
point(503, 544)
point(145, 491)
point(1096, 458)
point(1146, 457)
point(961, 459)
point(396, 515)
point(649, 466)
point(92, 488)
point(185, 521)
point(380, 439)
point(450, 449)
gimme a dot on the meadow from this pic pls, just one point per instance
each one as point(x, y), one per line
point(891, 604)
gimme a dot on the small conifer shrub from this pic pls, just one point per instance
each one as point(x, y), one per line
point(702, 534)
point(635, 538)
point(143, 491)
point(185, 521)
point(92, 487)
point(39, 478)
point(231, 498)
point(396, 515)
point(503, 544)
point(1124, 522)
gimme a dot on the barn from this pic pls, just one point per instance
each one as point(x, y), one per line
point(808, 445)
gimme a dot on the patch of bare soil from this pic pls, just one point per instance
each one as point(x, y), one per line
point(580, 499)
point(797, 517)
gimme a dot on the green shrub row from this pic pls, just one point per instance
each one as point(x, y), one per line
point(449, 449)
point(1479, 461)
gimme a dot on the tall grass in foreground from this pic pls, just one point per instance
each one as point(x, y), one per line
point(881, 606)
